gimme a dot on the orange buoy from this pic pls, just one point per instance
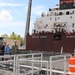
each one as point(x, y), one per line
point(72, 65)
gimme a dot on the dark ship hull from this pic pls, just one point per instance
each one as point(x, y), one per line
point(59, 41)
point(52, 42)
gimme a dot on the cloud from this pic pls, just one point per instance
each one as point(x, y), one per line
point(38, 9)
point(11, 4)
point(5, 16)
point(11, 24)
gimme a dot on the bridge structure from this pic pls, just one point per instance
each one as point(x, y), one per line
point(34, 64)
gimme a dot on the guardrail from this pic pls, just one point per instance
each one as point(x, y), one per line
point(14, 60)
point(59, 64)
point(25, 64)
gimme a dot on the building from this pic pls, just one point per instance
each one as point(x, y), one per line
point(11, 42)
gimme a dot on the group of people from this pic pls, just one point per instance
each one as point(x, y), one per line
point(5, 49)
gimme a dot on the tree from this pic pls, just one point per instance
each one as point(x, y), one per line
point(13, 36)
point(17, 37)
point(20, 38)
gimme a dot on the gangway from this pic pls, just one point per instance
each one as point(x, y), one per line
point(35, 64)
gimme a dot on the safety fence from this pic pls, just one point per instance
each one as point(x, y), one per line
point(34, 64)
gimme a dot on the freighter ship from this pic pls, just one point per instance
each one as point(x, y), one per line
point(55, 30)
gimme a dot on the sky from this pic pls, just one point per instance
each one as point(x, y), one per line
point(13, 14)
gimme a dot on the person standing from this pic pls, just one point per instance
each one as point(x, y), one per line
point(2, 48)
point(7, 50)
point(14, 48)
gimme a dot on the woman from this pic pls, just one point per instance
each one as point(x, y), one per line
point(7, 49)
point(7, 53)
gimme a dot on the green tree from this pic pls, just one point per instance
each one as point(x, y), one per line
point(13, 36)
point(20, 38)
point(17, 37)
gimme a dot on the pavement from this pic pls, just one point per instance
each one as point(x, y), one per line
point(4, 72)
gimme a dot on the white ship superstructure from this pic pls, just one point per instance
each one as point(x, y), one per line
point(65, 18)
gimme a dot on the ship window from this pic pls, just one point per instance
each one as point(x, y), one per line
point(46, 24)
point(55, 19)
point(47, 14)
point(72, 12)
point(54, 24)
point(55, 13)
point(73, 30)
point(50, 9)
point(34, 31)
point(64, 24)
point(42, 15)
point(70, 16)
point(60, 13)
point(58, 18)
point(57, 37)
point(67, 13)
point(73, 25)
point(50, 18)
point(37, 31)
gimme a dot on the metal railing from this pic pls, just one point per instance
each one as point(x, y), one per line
point(59, 64)
point(14, 61)
point(34, 63)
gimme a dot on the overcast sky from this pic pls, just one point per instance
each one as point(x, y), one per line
point(13, 14)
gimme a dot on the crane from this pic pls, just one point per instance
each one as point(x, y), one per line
point(28, 21)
